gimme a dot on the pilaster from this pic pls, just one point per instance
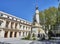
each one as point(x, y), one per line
point(14, 26)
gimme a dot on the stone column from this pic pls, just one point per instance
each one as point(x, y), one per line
point(25, 27)
point(14, 26)
point(9, 25)
point(8, 34)
point(17, 34)
point(25, 34)
point(22, 27)
point(30, 28)
point(21, 33)
point(13, 34)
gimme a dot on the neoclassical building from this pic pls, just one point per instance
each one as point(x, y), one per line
point(11, 26)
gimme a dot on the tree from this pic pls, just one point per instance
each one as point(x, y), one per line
point(48, 17)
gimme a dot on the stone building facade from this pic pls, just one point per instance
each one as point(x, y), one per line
point(13, 27)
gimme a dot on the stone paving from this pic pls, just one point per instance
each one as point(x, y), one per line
point(46, 42)
point(19, 41)
point(13, 41)
point(4, 43)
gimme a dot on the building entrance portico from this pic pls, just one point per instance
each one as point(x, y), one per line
point(10, 34)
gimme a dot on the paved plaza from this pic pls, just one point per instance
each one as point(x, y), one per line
point(46, 42)
point(13, 41)
point(19, 41)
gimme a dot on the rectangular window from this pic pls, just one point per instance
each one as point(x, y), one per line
point(7, 23)
point(23, 27)
point(12, 18)
point(20, 26)
point(23, 33)
point(8, 16)
point(1, 22)
point(16, 26)
point(26, 28)
point(11, 24)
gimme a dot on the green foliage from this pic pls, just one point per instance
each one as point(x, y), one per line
point(34, 38)
point(48, 16)
point(33, 35)
point(27, 38)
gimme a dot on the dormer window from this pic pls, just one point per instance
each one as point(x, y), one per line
point(8, 16)
point(16, 19)
point(1, 14)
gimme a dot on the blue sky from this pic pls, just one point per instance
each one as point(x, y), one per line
point(25, 8)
